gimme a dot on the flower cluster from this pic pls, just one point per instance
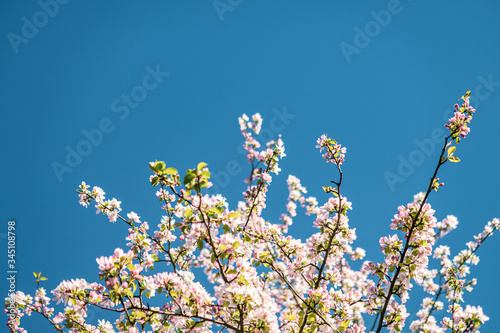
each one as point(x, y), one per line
point(251, 143)
point(296, 194)
point(334, 152)
point(461, 117)
point(111, 208)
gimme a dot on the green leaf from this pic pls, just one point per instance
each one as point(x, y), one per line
point(171, 171)
point(199, 242)
point(130, 267)
point(454, 159)
point(451, 150)
point(311, 318)
point(190, 175)
point(129, 292)
point(159, 165)
point(465, 96)
point(201, 165)
point(43, 278)
point(233, 215)
point(188, 212)
point(344, 325)
point(155, 180)
point(217, 210)
point(236, 245)
point(301, 320)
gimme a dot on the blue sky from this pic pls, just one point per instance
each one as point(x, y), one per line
point(122, 83)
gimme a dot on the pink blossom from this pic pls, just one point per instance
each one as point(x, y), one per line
point(133, 216)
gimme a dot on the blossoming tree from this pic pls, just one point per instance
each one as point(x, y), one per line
point(264, 280)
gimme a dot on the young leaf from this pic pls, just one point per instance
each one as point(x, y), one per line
point(190, 175)
point(217, 210)
point(188, 212)
point(201, 165)
point(344, 325)
point(129, 292)
point(171, 171)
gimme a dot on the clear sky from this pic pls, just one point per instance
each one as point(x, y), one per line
point(92, 91)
